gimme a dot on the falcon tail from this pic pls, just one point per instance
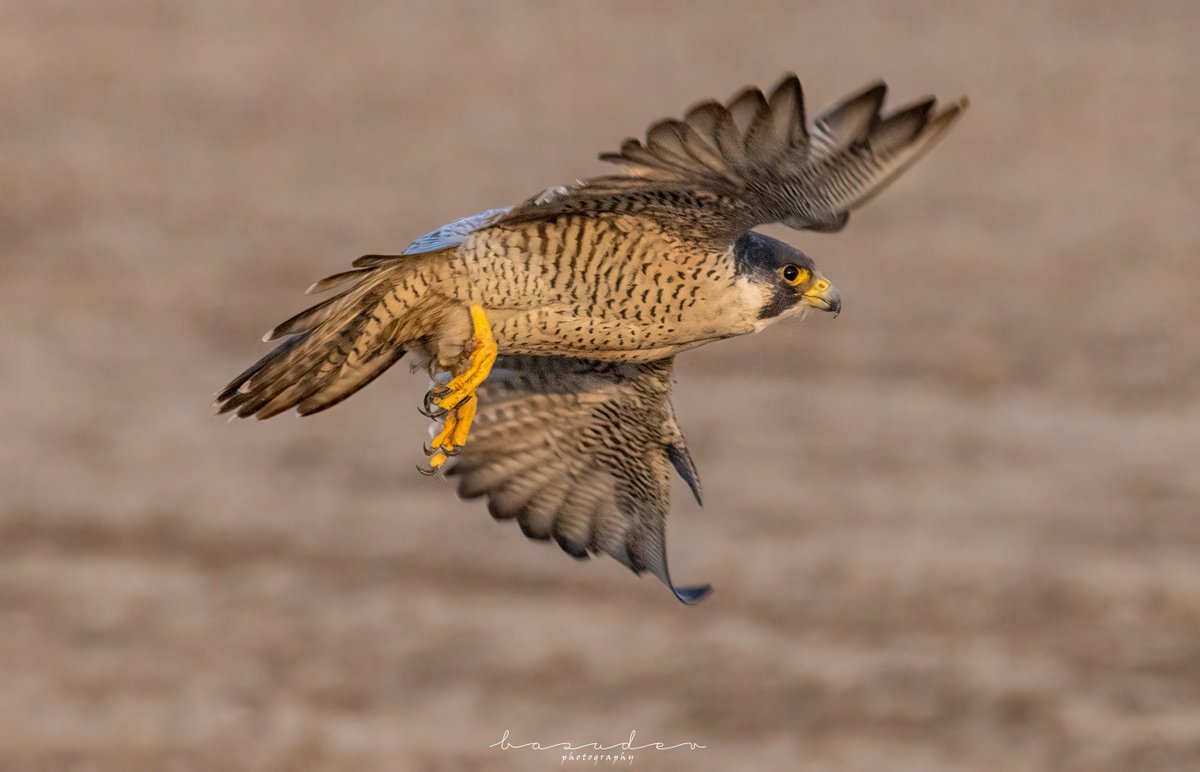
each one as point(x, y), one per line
point(339, 345)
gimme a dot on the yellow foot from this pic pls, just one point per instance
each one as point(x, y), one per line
point(453, 435)
point(458, 396)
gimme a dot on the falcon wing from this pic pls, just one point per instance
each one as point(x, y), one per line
point(581, 451)
point(725, 169)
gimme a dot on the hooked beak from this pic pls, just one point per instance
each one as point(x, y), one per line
point(824, 295)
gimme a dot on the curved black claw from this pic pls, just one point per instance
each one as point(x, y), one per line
point(429, 409)
point(452, 452)
point(427, 450)
point(428, 471)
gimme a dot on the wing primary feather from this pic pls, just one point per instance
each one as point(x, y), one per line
point(766, 141)
point(787, 107)
point(906, 156)
point(713, 121)
point(850, 120)
point(682, 461)
point(901, 127)
point(664, 141)
point(704, 153)
point(746, 108)
point(725, 169)
point(571, 548)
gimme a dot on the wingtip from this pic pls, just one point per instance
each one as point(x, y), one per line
point(954, 109)
point(942, 120)
point(690, 596)
point(787, 80)
point(874, 93)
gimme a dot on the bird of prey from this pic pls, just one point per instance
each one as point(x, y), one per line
point(551, 326)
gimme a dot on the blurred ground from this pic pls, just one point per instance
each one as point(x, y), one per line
point(955, 529)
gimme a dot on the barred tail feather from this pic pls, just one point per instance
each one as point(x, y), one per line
point(336, 347)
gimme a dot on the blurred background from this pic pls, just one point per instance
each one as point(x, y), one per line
point(956, 528)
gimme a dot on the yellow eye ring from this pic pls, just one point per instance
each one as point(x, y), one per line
point(794, 274)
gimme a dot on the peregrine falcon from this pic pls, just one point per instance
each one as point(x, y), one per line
point(551, 326)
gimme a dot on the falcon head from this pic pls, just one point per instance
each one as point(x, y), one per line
point(788, 278)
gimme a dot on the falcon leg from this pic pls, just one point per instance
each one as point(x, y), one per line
point(456, 400)
point(483, 356)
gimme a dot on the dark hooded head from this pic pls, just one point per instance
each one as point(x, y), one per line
point(791, 275)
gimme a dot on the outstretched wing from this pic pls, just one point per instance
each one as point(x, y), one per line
point(581, 451)
point(725, 169)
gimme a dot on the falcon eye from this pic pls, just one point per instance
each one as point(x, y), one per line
point(793, 274)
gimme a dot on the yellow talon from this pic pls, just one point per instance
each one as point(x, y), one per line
point(460, 400)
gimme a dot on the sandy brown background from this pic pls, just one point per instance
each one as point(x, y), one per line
point(956, 528)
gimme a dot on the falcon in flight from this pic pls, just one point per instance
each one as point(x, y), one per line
point(549, 328)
